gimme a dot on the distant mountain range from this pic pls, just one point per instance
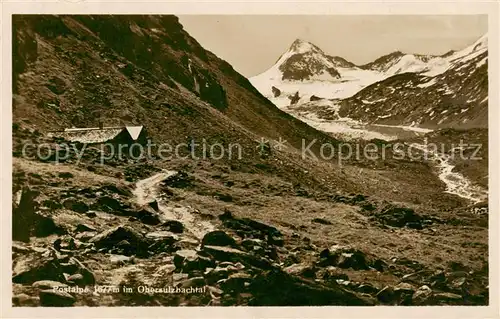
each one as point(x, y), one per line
point(397, 88)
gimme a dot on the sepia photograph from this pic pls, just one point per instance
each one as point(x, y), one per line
point(249, 160)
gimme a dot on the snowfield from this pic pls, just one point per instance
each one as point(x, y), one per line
point(352, 79)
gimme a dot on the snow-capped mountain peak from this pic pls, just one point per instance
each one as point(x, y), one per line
point(305, 71)
point(300, 46)
point(303, 61)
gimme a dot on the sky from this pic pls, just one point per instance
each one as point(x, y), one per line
point(252, 44)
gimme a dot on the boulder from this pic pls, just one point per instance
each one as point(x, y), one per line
point(123, 247)
point(190, 260)
point(233, 266)
point(386, 295)
point(222, 271)
point(355, 260)
point(438, 280)
point(417, 277)
point(107, 204)
point(187, 243)
point(321, 221)
point(221, 253)
point(162, 235)
point(18, 247)
point(277, 288)
point(179, 180)
point(447, 298)
point(250, 243)
point(276, 91)
point(51, 204)
point(404, 287)
point(248, 228)
point(294, 98)
point(58, 86)
point(303, 270)
point(120, 190)
point(404, 292)
point(76, 279)
point(213, 275)
point(75, 205)
point(84, 228)
point(43, 226)
point(54, 298)
point(91, 214)
point(23, 215)
point(422, 296)
point(343, 257)
point(48, 284)
point(110, 238)
point(36, 267)
point(87, 276)
point(398, 217)
point(218, 238)
point(236, 282)
point(146, 216)
point(379, 265)
point(331, 273)
point(163, 241)
point(154, 205)
point(367, 289)
point(357, 198)
point(23, 300)
point(65, 242)
point(85, 236)
point(119, 259)
point(413, 264)
point(192, 282)
point(215, 291)
point(457, 281)
point(275, 240)
point(174, 226)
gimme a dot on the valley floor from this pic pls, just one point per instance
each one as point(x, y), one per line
point(241, 238)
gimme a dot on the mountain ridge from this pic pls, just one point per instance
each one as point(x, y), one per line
point(168, 67)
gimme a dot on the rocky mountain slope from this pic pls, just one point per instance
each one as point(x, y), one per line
point(457, 97)
point(271, 228)
point(75, 71)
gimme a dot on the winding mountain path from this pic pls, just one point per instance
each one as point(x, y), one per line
point(148, 190)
